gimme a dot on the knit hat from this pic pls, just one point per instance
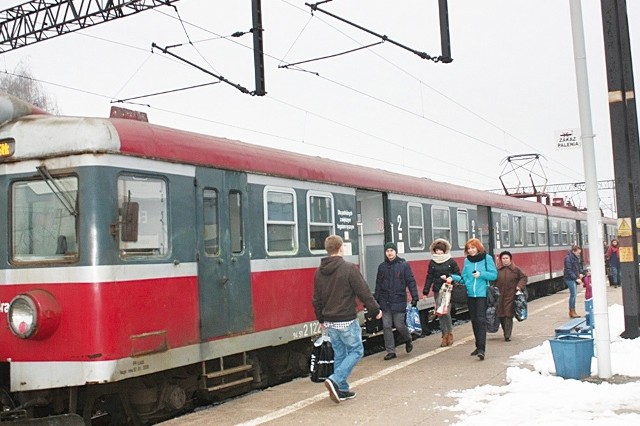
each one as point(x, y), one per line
point(391, 245)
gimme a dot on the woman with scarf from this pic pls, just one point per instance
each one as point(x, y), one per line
point(478, 270)
point(440, 268)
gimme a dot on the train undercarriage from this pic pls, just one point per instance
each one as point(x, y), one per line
point(156, 397)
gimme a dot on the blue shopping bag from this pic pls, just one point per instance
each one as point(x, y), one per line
point(412, 320)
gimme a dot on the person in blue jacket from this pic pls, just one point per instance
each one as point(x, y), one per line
point(478, 270)
point(394, 278)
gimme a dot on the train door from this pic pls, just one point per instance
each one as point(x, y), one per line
point(484, 229)
point(223, 260)
point(371, 219)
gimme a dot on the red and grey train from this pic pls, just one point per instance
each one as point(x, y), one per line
point(145, 268)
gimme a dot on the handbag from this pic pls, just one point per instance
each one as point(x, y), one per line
point(459, 294)
point(412, 320)
point(493, 295)
point(321, 366)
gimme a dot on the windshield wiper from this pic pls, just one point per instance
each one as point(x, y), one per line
point(62, 195)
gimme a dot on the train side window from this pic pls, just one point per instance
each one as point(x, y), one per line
point(236, 222)
point(463, 227)
point(320, 217)
point(441, 220)
point(572, 233)
point(530, 229)
point(43, 227)
point(555, 233)
point(542, 232)
point(416, 226)
point(585, 233)
point(151, 195)
point(211, 230)
point(504, 227)
point(518, 231)
point(281, 226)
point(564, 233)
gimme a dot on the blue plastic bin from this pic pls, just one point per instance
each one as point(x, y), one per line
point(572, 356)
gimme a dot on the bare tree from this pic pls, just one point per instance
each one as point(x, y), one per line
point(23, 85)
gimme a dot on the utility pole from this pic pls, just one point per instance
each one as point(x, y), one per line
point(626, 154)
point(594, 222)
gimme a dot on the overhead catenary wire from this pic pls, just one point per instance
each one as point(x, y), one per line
point(480, 140)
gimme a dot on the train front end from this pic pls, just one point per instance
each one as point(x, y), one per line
point(89, 306)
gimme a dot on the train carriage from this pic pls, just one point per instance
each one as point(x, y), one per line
point(147, 268)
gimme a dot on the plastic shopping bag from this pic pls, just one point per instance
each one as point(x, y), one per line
point(444, 301)
point(321, 359)
point(520, 305)
point(412, 320)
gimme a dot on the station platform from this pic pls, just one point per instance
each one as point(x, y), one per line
point(408, 390)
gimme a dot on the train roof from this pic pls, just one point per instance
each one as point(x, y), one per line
point(41, 136)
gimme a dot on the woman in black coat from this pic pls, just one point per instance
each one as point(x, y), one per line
point(442, 265)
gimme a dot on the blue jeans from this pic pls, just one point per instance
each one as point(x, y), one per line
point(615, 276)
point(347, 351)
point(571, 284)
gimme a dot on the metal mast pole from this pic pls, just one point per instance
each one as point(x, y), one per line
point(594, 222)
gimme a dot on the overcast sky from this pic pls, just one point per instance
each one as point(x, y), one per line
point(509, 90)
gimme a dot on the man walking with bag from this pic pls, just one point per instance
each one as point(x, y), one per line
point(393, 279)
point(337, 283)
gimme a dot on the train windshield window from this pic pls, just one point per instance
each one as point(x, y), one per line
point(151, 196)
point(542, 232)
point(416, 226)
point(44, 228)
point(281, 227)
point(320, 217)
point(235, 222)
point(463, 227)
point(211, 223)
point(441, 220)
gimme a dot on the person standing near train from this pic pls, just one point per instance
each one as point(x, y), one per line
point(337, 283)
point(510, 280)
point(441, 266)
point(613, 256)
point(572, 276)
point(392, 281)
point(478, 270)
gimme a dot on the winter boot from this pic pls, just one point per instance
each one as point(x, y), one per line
point(449, 339)
point(573, 314)
point(445, 337)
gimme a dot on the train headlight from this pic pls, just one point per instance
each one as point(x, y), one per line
point(34, 315)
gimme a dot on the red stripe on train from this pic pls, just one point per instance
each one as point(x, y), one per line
point(105, 321)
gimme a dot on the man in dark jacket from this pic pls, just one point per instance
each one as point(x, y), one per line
point(572, 275)
point(393, 279)
point(337, 283)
